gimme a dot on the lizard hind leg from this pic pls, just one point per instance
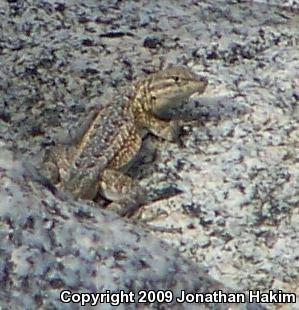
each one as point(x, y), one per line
point(125, 194)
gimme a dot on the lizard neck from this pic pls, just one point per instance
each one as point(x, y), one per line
point(141, 103)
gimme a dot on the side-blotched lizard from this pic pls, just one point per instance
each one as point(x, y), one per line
point(94, 164)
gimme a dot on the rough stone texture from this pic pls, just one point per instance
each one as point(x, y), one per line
point(237, 164)
point(49, 245)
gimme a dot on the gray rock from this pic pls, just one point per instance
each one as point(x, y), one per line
point(237, 163)
point(49, 244)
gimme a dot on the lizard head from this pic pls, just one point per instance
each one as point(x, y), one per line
point(173, 85)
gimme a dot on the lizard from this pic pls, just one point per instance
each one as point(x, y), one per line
point(95, 165)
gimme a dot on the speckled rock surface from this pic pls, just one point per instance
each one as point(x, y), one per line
point(237, 164)
point(49, 245)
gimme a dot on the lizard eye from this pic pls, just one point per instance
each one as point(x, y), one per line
point(177, 79)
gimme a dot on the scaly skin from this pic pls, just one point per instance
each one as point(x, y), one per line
point(113, 137)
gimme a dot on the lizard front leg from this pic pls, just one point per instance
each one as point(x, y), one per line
point(167, 130)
